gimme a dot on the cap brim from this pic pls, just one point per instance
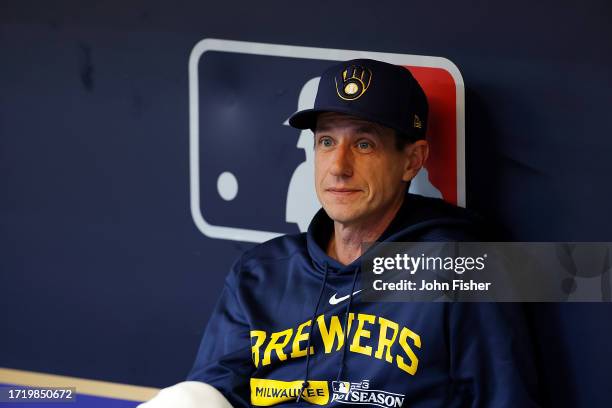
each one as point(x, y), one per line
point(307, 118)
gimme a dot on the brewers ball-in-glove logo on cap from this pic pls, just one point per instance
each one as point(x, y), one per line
point(372, 90)
point(353, 82)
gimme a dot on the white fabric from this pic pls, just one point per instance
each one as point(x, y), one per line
point(188, 394)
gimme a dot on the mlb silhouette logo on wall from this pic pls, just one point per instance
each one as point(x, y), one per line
point(252, 175)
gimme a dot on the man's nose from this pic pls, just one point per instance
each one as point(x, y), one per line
point(342, 161)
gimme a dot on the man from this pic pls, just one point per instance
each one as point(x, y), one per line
point(290, 328)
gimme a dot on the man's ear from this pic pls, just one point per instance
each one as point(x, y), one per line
point(417, 154)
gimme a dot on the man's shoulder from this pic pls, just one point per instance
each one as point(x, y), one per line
point(433, 219)
point(276, 249)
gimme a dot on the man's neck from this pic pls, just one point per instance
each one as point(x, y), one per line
point(346, 241)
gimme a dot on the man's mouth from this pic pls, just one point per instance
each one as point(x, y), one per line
point(342, 191)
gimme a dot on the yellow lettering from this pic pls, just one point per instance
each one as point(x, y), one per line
point(361, 332)
point(385, 343)
point(260, 337)
point(334, 333)
point(329, 336)
point(414, 361)
point(275, 345)
point(299, 337)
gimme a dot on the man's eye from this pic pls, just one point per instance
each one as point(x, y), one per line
point(364, 145)
point(326, 142)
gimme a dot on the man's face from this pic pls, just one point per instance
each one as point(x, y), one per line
point(359, 173)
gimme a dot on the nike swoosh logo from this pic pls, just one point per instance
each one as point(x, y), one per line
point(334, 300)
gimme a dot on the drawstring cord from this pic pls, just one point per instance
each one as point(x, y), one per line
point(346, 328)
point(312, 329)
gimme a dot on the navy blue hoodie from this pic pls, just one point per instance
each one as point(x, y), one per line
point(279, 330)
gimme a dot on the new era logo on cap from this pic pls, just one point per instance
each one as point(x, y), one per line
point(417, 124)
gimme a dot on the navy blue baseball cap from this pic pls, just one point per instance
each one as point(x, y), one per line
point(372, 90)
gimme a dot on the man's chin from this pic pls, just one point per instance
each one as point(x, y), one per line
point(342, 215)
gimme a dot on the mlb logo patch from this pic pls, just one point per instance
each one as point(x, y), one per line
point(343, 387)
point(252, 175)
